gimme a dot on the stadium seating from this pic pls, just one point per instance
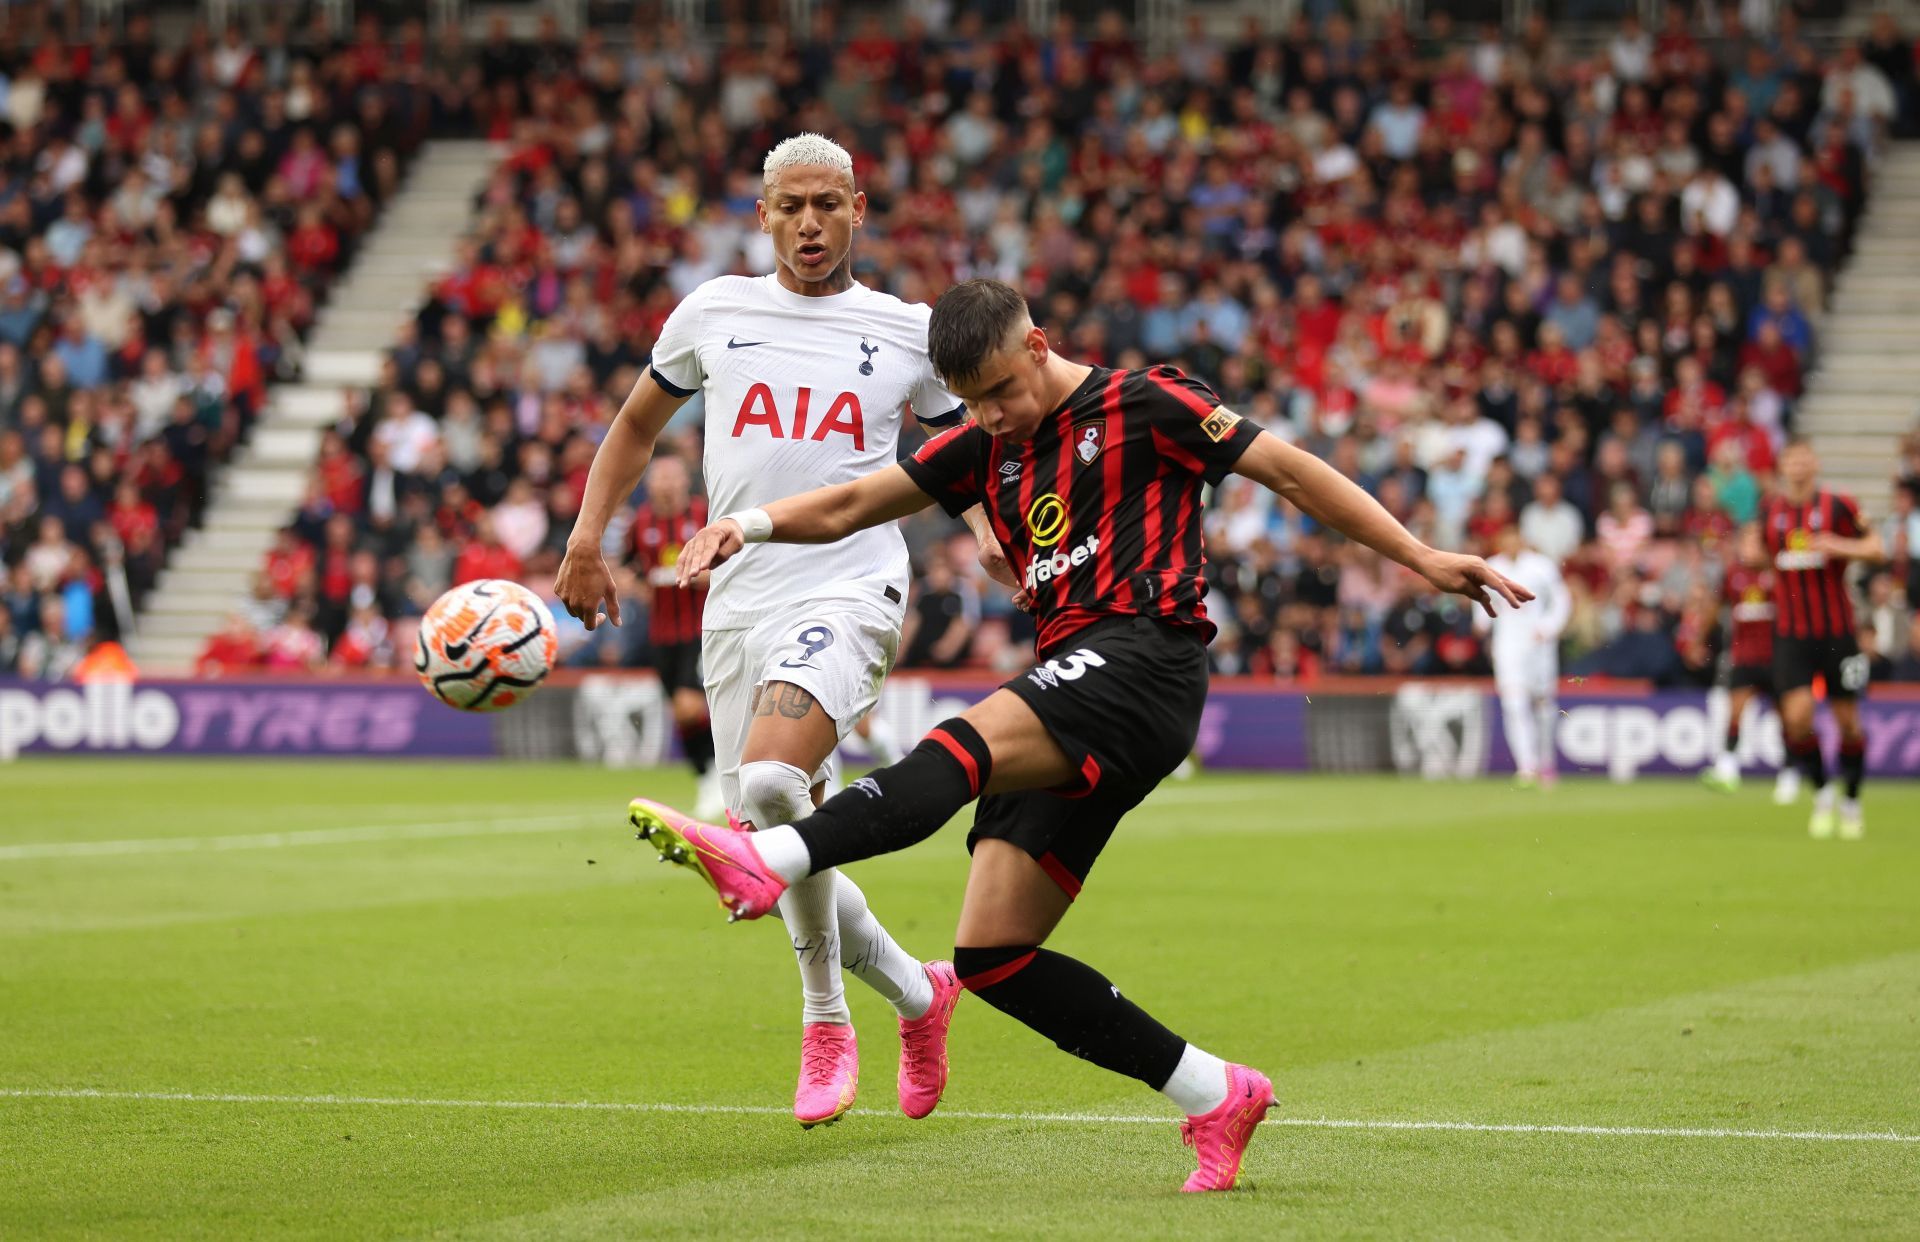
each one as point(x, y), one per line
point(170, 217)
point(1580, 289)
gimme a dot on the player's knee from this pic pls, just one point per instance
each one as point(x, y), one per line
point(773, 793)
point(980, 969)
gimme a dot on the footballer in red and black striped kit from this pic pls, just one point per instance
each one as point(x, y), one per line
point(1811, 534)
point(661, 528)
point(1748, 591)
point(1094, 481)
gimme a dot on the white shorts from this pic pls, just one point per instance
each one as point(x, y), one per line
point(839, 651)
point(1531, 672)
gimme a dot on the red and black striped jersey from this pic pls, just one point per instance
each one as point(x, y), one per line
point(657, 540)
point(1810, 587)
point(1749, 596)
point(1100, 512)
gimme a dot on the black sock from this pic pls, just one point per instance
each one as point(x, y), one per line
point(1072, 1004)
point(1733, 736)
point(902, 805)
point(697, 742)
point(1805, 753)
point(1853, 763)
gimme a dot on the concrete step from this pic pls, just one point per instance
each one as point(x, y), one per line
point(1900, 404)
point(1878, 378)
point(359, 368)
point(307, 404)
point(286, 447)
point(1838, 420)
point(230, 513)
point(1856, 445)
point(190, 627)
point(204, 582)
point(218, 560)
point(214, 603)
point(158, 655)
point(264, 484)
point(1871, 365)
point(213, 539)
point(372, 339)
point(385, 318)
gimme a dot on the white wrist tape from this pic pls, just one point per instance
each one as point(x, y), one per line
point(755, 525)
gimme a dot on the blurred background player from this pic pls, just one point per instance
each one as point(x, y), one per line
point(661, 528)
point(1812, 533)
point(1748, 591)
point(807, 376)
point(1526, 656)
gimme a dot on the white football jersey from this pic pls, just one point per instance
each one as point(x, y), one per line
point(1546, 613)
point(800, 392)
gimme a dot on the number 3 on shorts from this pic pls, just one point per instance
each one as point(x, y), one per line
point(1853, 673)
point(1069, 668)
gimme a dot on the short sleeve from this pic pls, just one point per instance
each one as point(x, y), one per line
point(676, 354)
point(933, 405)
point(1190, 423)
point(947, 467)
point(1846, 517)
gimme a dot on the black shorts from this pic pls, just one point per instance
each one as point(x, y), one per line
point(1837, 661)
point(1751, 677)
point(679, 667)
point(1123, 700)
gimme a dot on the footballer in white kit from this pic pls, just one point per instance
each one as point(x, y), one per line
point(806, 377)
point(1526, 656)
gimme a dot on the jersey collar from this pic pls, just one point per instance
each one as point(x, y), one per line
point(780, 295)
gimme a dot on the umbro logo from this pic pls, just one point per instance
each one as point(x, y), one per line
point(1009, 469)
point(733, 344)
point(868, 786)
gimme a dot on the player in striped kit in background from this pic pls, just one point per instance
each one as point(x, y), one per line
point(1811, 534)
point(1747, 669)
point(671, 516)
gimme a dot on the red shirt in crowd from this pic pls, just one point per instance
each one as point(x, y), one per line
point(477, 561)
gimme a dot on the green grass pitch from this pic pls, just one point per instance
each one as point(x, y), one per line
point(332, 1001)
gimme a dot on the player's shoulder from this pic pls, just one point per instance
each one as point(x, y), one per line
point(728, 290)
point(1165, 384)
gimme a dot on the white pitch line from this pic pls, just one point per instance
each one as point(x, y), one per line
point(303, 836)
point(1125, 1119)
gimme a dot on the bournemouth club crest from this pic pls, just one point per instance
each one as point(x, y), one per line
point(1087, 442)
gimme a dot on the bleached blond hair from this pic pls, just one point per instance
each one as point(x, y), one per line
point(806, 149)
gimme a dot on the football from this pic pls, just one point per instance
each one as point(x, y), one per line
point(485, 645)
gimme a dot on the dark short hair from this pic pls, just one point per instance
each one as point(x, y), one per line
point(969, 322)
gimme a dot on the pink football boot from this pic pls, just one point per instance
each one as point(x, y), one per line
point(829, 1074)
point(923, 1044)
point(1219, 1138)
point(724, 857)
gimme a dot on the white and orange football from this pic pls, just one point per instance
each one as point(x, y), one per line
point(485, 645)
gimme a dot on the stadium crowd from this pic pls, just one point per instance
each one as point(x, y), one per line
point(1490, 278)
point(169, 219)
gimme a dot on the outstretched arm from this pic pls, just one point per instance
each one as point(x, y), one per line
point(1867, 547)
point(1332, 499)
point(823, 515)
point(584, 582)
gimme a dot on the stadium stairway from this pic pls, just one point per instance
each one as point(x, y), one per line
point(212, 571)
point(1865, 393)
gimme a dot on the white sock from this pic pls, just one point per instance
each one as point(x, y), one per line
point(1727, 765)
point(873, 957)
point(1546, 714)
point(813, 923)
point(882, 743)
point(1521, 722)
point(784, 852)
point(1199, 1082)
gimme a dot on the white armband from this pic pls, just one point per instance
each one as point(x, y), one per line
point(755, 525)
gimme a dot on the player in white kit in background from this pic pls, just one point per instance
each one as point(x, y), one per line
point(1526, 657)
point(806, 377)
